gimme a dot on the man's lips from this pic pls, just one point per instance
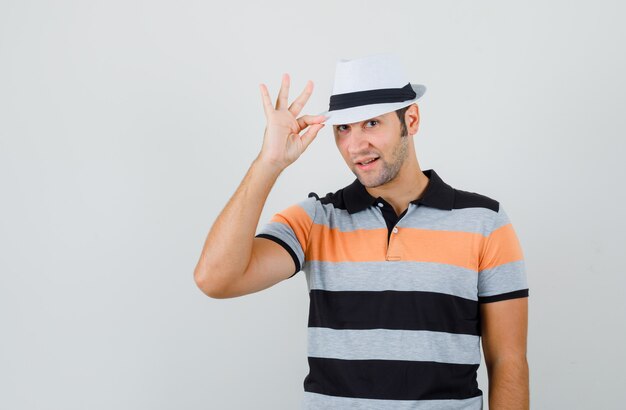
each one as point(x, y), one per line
point(361, 161)
point(368, 165)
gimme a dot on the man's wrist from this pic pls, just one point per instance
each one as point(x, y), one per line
point(272, 166)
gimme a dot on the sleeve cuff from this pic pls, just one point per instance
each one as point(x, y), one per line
point(287, 248)
point(523, 293)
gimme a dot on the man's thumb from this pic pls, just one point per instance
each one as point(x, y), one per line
point(311, 133)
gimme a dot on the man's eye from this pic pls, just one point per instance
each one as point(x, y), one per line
point(341, 128)
point(375, 121)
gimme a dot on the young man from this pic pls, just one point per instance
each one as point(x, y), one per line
point(405, 273)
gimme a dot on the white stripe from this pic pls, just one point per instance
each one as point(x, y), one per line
point(397, 275)
point(388, 344)
point(316, 401)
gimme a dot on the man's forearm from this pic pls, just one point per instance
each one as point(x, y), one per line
point(508, 385)
point(228, 246)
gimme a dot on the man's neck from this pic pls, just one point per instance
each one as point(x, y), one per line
point(409, 184)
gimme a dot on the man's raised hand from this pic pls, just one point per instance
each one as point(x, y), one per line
point(282, 142)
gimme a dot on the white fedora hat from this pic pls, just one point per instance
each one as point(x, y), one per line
point(370, 86)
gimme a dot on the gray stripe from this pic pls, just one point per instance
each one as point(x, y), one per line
point(474, 220)
point(504, 278)
point(388, 344)
point(316, 401)
point(310, 206)
point(501, 219)
point(397, 275)
point(341, 220)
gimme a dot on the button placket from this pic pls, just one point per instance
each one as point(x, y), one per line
point(391, 249)
point(390, 243)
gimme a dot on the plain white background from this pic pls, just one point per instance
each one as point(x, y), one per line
point(125, 126)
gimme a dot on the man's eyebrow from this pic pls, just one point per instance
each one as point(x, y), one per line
point(361, 122)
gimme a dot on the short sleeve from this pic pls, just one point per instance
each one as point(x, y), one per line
point(501, 272)
point(290, 229)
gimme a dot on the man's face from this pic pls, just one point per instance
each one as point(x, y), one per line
point(378, 137)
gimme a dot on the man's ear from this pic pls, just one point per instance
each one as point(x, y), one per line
point(412, 119)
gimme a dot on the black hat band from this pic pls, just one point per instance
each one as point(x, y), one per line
point(383, 95)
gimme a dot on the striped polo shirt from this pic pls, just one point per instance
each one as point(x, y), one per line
point(394, 319)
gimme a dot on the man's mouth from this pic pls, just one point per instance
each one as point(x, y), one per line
point(367, 164)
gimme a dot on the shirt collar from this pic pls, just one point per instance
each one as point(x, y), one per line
point(437, 194)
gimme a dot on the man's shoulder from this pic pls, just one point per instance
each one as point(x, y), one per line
point(470, 199)
point(331, 197)
point(462, 199)
point(335, 198)
point(315, 203)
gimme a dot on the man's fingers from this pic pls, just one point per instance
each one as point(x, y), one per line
point(307, 120)
point(299, 102)
point(310, 134)
point(267, 101)
point(283, 94)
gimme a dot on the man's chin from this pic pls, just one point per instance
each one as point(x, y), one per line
point(369, 181)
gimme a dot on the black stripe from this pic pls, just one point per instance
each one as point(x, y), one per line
point(391, 309)
point(382, 95)
point(504, 296)
point(392, 379)
point(284, 245)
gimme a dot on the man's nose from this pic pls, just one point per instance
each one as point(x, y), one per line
point(359, 142)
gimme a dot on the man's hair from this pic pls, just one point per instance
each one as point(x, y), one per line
point(400, 112)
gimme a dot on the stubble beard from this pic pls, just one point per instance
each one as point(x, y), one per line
point(389, 170)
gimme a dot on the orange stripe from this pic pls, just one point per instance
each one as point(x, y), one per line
point(333, 245)
point(502, 246)
point(422, 245)
point(298, 220)
point(448, 247)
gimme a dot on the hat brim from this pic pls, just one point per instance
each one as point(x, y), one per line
point(364, 112)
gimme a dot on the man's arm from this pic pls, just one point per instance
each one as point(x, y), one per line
point(233, 262)
point(504, 339)
point(228, 246)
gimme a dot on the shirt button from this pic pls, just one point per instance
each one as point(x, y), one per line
point(395, 230)
point(380, 204)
